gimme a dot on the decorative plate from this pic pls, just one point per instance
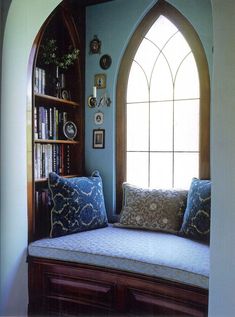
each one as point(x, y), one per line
point(70, 130)
point(65, 94)
point(105, 61)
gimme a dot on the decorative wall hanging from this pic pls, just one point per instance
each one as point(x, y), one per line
point(65, 94)
point(70, 130)
point(99, 118)
point(98, 138)
point(95, 45)
point(105, 61)
point(100, 81)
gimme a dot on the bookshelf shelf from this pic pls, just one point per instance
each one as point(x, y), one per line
point(46, 99)
point(56, 141)
point(45, 180)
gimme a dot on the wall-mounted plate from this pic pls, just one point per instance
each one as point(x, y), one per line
point(105, 61)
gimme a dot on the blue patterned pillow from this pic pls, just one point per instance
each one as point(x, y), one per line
point(196, 221)
point(77, 204)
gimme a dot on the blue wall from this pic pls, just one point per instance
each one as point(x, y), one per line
point(114, 23)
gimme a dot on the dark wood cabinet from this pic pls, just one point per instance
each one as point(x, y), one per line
point(56, 96)
point(62, 289)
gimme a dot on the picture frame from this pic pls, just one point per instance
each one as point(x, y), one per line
point(105, 61)
point(99, 118)
point(65, 94)
point(98, 139)
point(95, 45)
point(100, 81)
point(70, 130)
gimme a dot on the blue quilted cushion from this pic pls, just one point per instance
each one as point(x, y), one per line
point(196, 221)
point(77, 204)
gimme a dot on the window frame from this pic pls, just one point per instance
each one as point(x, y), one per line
point(191, 36)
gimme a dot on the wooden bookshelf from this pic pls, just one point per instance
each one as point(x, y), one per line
point(49, 150)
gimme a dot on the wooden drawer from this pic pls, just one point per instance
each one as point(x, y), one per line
point(80, 290)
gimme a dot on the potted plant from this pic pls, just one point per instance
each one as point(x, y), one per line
point(49, 55)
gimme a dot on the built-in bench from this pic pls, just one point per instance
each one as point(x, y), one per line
point(116, 270)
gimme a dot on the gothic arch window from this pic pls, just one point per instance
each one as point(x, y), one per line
point(163, 104)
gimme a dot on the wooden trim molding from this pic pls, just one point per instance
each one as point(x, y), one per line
point(167, 10)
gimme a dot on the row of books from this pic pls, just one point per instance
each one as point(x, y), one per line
point(42, 212)
point(51, 158)
point(49, 122)
point(39, 80)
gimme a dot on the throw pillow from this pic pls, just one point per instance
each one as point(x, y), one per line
point(77, 204)
point(196, 221)
point(152, 209)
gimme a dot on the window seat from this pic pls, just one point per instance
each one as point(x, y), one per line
point(150, 253)
point(118, 271)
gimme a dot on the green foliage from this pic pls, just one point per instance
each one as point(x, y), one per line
point(50, 55)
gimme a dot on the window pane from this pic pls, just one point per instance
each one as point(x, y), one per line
point(186, 128)
point(161, 87)
point(161, 126)
point(161, 30)
point(137, 127)
point(161, 170)
point(146, 56)
point(175, 51)
point(137, 168)
point(187, 81)
point(186, 167)
point(137, 89)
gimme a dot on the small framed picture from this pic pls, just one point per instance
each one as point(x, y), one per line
point(98, 139)
point(105, 61)
point(70, 130)
point(99, 117)
point(100, 81)
point(65, 94)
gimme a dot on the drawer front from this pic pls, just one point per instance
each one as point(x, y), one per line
point(158, 304)
point(82, 291)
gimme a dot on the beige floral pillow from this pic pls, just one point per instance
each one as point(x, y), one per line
point(152, 209)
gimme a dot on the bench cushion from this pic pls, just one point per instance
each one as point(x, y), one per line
point(150, 253)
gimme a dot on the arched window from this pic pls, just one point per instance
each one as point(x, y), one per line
point(163, 104)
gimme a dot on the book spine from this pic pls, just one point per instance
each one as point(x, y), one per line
point(38, 159)
point(50, 123)
point(54, 123)
point(54, 157)
point(46, 159)
point(43, 123)
point(43, 160)
point(35, 162)
point(40, 80)
point(35, 123)
point(57, 159)
point(43, 81)
point(40, 111)
point(49, 153)
point(36, 80)
point(46, 122)
point(67, 160)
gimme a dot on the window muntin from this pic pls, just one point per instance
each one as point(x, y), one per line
point(162, 110)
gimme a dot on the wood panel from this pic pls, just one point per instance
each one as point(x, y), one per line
point(61, 287)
